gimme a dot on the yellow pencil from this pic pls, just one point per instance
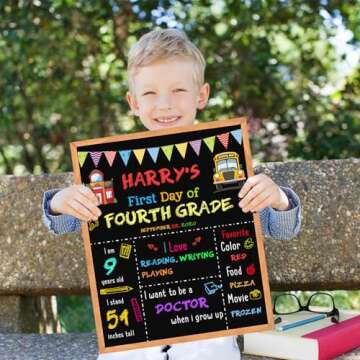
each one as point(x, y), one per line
point(116, 290)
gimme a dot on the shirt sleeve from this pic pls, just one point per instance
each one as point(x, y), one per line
point(282, 225)
point(58, 224)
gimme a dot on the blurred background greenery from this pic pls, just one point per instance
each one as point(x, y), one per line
point(292, 67)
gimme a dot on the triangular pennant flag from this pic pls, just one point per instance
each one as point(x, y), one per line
point(182, 149)
point(110, 156)
point(237, 134)
point(224, 139)
point(196, 144)
point(139, 153)
point(210, 142)
point(125, 155)
point(168, 149)
point(154, 152)
point(82, 157)
point(95, 156)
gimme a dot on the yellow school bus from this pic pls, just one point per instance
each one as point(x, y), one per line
point(227, 170)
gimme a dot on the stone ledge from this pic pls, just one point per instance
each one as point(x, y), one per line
point(74, 346)
point(326, 255)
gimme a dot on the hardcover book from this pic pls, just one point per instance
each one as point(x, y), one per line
point(320, 339)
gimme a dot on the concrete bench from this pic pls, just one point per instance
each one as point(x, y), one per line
point(74, 347)
point(36, 264)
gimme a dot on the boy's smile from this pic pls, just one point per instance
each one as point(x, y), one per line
point(165, 94)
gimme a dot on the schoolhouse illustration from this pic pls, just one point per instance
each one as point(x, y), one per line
point(104, 190)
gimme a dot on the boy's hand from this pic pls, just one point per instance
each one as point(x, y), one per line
point(260, 191)
point(78, 201)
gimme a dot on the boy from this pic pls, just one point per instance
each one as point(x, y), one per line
point(166, 88)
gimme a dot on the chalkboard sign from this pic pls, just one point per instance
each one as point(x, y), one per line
point(172, 258)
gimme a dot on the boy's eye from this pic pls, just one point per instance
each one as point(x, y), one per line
point(179, 90)
point(148, 93)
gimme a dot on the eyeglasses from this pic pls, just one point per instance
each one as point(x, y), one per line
point(320, 302)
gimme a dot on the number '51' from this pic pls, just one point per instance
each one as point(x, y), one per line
point(113, 318)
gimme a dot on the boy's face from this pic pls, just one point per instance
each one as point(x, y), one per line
point(165, 94)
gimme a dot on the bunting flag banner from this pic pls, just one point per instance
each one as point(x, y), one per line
point(237, 134)
point(196, 145)
point(154, 152)
point(168, 149)
point(82, 157)
point(224, 139)
point(182, 149)
point(210, 142)
point(139, 153)
point(110, 156)
point(125, 155)
point(95, 156)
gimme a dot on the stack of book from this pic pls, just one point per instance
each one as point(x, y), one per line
point(298, 337)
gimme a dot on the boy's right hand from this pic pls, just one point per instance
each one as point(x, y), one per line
point(78, 201)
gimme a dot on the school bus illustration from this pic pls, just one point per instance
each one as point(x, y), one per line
point(227, 170)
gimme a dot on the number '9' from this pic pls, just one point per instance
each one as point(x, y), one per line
point(109, 265)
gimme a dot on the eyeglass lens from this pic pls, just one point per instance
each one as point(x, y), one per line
point(321, 302)
point(286, 304)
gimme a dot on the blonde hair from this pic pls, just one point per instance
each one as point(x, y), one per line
point(164, 44)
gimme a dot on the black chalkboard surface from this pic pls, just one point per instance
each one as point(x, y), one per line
point(172, 258)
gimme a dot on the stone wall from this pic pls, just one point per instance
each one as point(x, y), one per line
point(326, 255)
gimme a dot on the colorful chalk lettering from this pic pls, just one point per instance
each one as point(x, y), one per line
point(114, 319)
point(172, 254)
point(110, 265)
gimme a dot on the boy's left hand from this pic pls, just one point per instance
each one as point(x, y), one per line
point(260, 191)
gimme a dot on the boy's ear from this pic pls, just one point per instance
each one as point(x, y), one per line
point(132, 103)
point(203, 96)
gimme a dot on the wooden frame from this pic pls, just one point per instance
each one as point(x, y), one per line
point(87, 242)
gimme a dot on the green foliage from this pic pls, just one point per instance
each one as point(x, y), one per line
point(63, 67)
point(75, 314)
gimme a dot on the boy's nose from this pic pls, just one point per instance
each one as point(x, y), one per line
point(164, 102)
